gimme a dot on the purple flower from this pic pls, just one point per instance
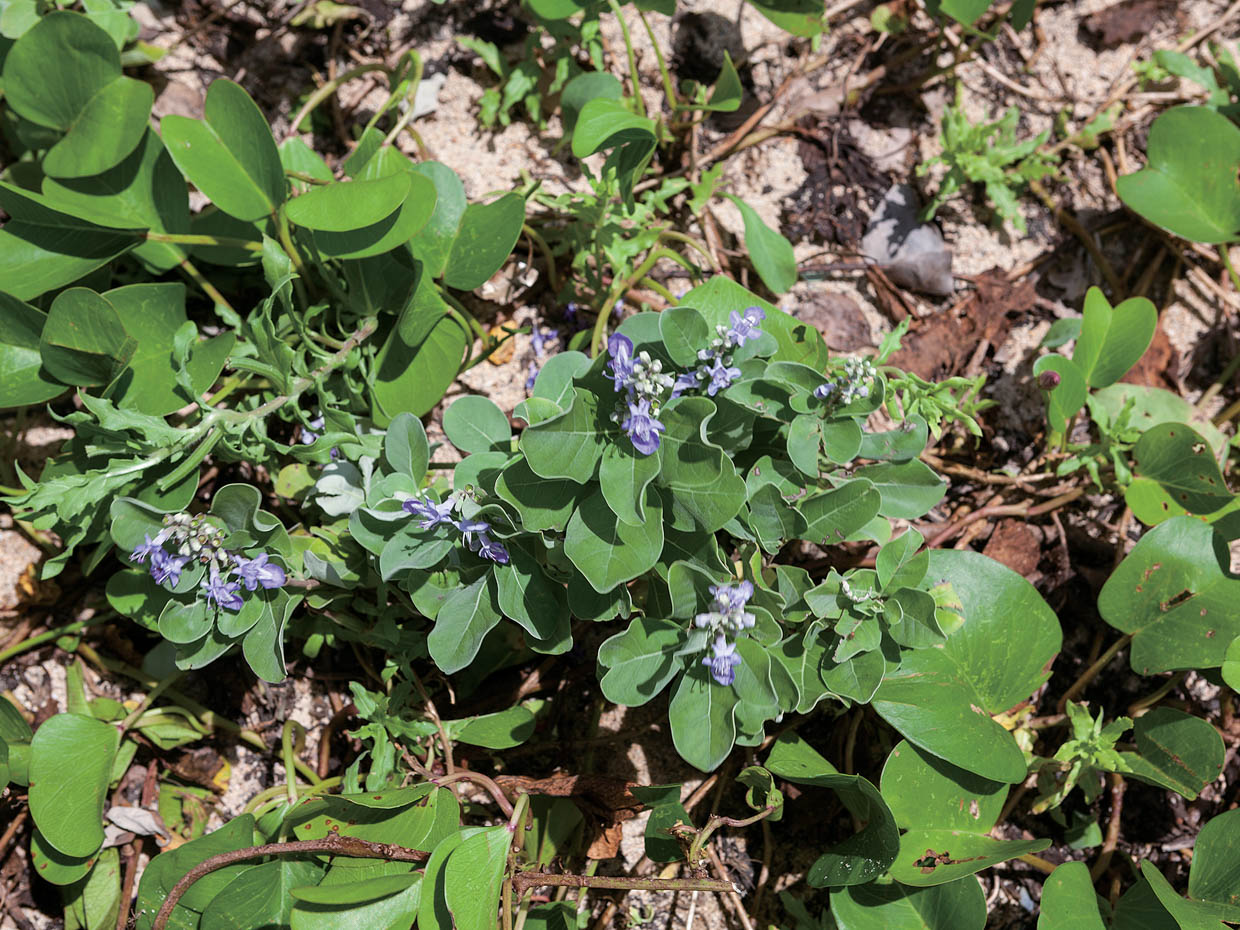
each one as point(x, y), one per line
point(720, 376)
point(540, 337)
point(226, 594)
point(533, 376)
point(259, 571)
point(432, 514)
point(308, 434)
point(745, 326)
point(149, 547)
point(642, 428)
point(165, 567)
point(686, 382)
point(570, 312)
point(732, 597)
point(724, 661)
point(468, 528)
point(823, 391)
point(621, 350)
point(488, 548)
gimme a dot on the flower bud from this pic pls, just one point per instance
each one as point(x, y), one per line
point(1048, 380)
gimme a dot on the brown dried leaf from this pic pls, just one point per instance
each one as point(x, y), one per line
point(1158, 366)
point(839, 319)
point(1017, 545)
point(941, 345)
point(1126, 21)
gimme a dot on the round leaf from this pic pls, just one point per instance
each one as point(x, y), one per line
point(958, 905)
point(942, 699)
point(69, 810)
point(1189, 185)
point(343, 206)
point(56, 96)
point(230, 155)
point(474, 424)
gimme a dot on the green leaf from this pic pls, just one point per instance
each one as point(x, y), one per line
point(542, 503)
point(1189, 185)
point(166, 869)
point(23, 379)
point(464, 619)
point(84, 340)
point(230, 155)
point(405, 446)
point(834, 516)
point(1065, 398)
point(608, 551)
point(684, 333)
point(1174, 593)
point(945, 809)
point(965, 12)
point(151, 314)
point(584, 88)
point(567, 445)
point(958, 905)
point(102, 113)
point(69, 811)
point(501, 730)
point(43, 248)
point(54, 866)
point(413, 378)
point(105, 133)
point(641, 661)
point(259, 897)
point(908, 489)
point(1068, 900)
point(343, 206)
point(608, 124)
point(924, 790)
point(474, 424)
point(394, 229)
point(799, 17)
point(433, 242)
point(1175, 750)
point(624, 475)
point(726, 97)
point(942, 699)
point(1182, 472)
point(472, 878)
point(528, 597)
point(433, 913)
point(94, 901)
point(665, 811)
point(1188, 913)
point(796, 341)
point(1112, 340)
point(1230, 669)
point(769, 251)
point(1215, 874)
point(864, 855)
point(357, 892)
point(702, 714)
point(699, 474)
point(487, 233)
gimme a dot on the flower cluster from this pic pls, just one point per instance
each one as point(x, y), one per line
point(725, 620)
point(716, 371)
point(185, 539)
point(644, 383)
point(474, 533)
point(853, 383)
